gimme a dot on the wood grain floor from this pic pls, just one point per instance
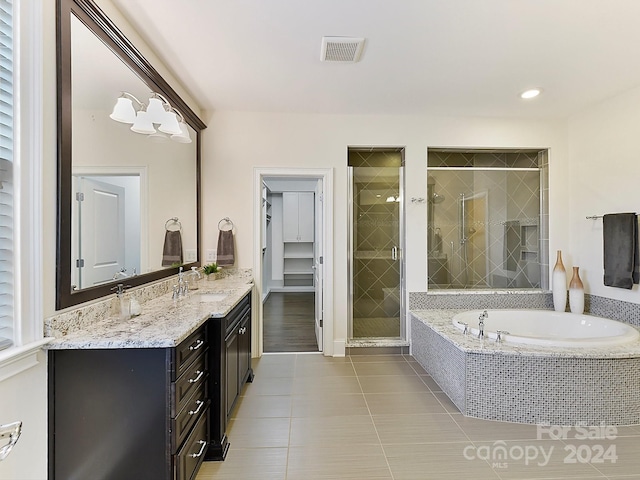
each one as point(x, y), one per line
point(288, 319)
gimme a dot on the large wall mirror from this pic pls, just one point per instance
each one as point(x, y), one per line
point(119, 190)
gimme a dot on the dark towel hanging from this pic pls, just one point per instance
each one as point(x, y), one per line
point(226, 255)
point(172, 251)
point(620, 241)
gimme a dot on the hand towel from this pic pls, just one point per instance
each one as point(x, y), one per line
point(620, 241)
point(226, 255)
point(172, 251)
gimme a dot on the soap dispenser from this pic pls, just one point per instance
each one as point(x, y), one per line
point(193, 278)
point(124, 303)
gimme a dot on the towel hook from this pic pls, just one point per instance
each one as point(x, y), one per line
point(172, 220)
point(227, 221)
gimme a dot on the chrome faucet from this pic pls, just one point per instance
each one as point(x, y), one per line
point(183, 287)
point(120, 274)
point(481, 320)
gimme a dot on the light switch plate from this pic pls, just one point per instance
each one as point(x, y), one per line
point(191, 256)
point(211, 256)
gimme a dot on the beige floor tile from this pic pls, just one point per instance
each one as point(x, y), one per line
point(382, 368)
point(435, 461)
point(446, 403)
point(329, 405)
point(259, 432)
point(418, 428)
point(417, 367)
point(391, 384)
point(481, 430)
point(626, 451)
point(340, 462)
point(533, 459)
point(323, 431)
point(262, 406)
point(431, 383)
point(274, 365)
point(247, 464)
point(269, 386)
point(408, 403)
point(378, 359)
point(319, 358)
point(328, 385)
point(328, 369)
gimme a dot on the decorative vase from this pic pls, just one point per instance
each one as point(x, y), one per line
point(576, 293)
point(559, 285)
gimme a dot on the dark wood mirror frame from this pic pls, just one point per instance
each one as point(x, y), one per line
point(96, 20)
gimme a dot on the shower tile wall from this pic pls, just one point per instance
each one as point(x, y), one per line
point(502, 215)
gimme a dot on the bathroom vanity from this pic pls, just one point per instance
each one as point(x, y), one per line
point(150, 397)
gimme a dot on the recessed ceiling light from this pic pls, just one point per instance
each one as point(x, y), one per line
point(531, 93)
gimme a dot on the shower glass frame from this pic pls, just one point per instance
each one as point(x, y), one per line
point(542, 167)
point(401, 257)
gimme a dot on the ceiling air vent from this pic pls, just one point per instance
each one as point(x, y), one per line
point(341, 49)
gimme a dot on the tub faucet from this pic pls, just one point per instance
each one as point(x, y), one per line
point(481, 319)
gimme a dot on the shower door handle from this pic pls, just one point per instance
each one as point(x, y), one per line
point(394, 253)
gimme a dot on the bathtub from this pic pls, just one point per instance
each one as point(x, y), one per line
point(542, 379)
point(549, 328)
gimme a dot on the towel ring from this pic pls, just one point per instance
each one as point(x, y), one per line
point(172, 220)
point(227, 221)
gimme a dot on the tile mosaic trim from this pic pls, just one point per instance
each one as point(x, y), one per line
point(474, 300)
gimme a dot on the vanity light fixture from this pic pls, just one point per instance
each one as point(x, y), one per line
point(531, 93)
point(145, 118)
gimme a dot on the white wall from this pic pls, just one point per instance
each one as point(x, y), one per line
point(236, 142)
point(24, 396)
point(603, 177)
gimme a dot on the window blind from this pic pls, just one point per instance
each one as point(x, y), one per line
point(6, 174)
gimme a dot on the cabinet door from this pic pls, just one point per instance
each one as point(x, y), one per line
point(305, 216)
point(290, 217)
point(244, 350)
point(231, 371)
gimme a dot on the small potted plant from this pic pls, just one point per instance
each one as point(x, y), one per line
point(211, 271)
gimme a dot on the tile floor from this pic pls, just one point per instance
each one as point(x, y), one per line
point(308, 417)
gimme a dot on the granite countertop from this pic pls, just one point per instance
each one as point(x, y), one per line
point(164, 322)
point(440, 321)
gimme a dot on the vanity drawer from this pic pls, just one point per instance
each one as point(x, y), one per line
point(192, 453)
point(193, 378)
point(189, 349)
point(237, 313)
point(194, 407)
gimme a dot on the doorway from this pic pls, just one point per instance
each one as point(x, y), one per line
point(292, 260)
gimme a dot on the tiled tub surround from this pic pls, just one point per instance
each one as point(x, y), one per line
point(164, 322)
point(528, 384)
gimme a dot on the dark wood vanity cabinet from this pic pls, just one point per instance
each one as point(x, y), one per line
point(129, 413)
point(231, 369)
point(156, 413)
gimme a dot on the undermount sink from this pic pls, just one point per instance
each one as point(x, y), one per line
point(212, 297)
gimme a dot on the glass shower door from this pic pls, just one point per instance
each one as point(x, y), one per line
point(376, 241)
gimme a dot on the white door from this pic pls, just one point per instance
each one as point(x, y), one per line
point(318, 262)
point(101, 244)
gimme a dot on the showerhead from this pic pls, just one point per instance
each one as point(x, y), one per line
point(435, 198)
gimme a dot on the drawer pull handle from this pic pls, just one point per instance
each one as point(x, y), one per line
point(194, 380)
point(204, 445)
point(197, 345)
point(242, 331)
point(200, 403)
